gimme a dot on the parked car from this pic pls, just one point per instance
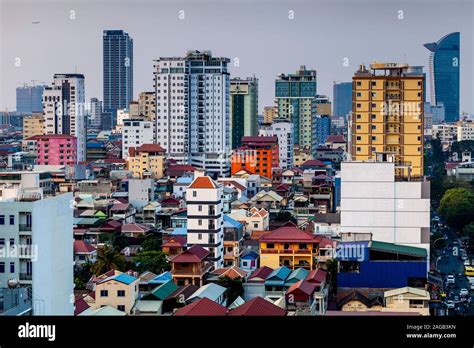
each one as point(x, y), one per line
point(472, 286)
point(450, 279)
point(464, 257)
point(467, 263)
point(449, 304)
point(456, 298)
point(464, 292)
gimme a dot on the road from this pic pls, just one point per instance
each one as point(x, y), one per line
point(449, 262)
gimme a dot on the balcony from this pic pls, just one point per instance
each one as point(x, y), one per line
point(26, 276)
point(24, 227)
point(286, 251)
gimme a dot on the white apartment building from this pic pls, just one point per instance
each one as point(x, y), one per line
point(192, 110)
point(283, 130)
point(171, 118)
point(372, 201)
point(446, 132)
point(205, 217)
point(64, 109)
point(136, 132)
point(141, 192)
point(465, 130)
point(36, 243)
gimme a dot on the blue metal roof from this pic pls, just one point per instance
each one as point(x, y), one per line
point(278, 276)
point(297, 275)
point(184, 180)
point(124, 278)
point(161, 278)
point(250, 256)
point(179, 231)
point(229, 222)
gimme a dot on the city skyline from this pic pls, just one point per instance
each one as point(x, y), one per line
point(333, 44)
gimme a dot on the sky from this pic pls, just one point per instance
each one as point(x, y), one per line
point(265, 37)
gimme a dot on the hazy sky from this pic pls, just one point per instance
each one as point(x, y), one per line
point(259, 33)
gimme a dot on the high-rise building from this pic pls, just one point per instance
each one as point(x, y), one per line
point(269, 113)
point(95, 113)
point(146, 161)
point(33, 125)
point(63, 109)
point(146, 105)
point(257, 155)
point(444, 74)
point(192, 110)
point(29, 99)
point(36, 234)
point(321, 121)
point(387, 115)
point(135, 133)
point(283, 130)
point(205, 217)
point(118, 70)
point(342, 99)
point(56, 149)
point(243, 109)
point(294, 94)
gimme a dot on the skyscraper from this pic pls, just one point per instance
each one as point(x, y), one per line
point(243, 109)
point(444, 74)
point(96, 113)
point(118, 69)
point(387, 115)
point(63, 109)
point(192, 110)
point(321, 121)
point(29, 99)
point(342, 99)
point(294, 94)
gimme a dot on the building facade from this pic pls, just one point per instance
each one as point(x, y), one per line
point(342, 99)
point(294, 94)
point(243, 109)
point(56, 149)
point(269, 113)
point(63, 109)
point(444, 74)
point(33, 125)
point(29, 99)
point(387, 115)
point(146, 105)
point(136, 132)
point(205, 217)
point(321, 121)
point(257, 155)
point(283, 130)
point(117, 69)
point(146, 161)
point(95, 119)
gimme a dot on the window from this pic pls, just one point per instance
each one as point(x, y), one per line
point(359, 138)
point(2, 267)
point(270, 245)
point(194, 193)
point(302, 246)
point(199, 236)
point(12, 267)
point(2, 219)
point(12, 219)
point(104, 293)
point(121, 308)
point(255, 225)
point(200, 208)
point(200, 222)
point(2, 242)
point(244, 263)
point(121, 293)
point(12, 241)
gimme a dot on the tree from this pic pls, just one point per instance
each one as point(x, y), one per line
point(150, 241)
point(234, 288)
point(461, 146)
point(107, 259)
point(153, 261)
point(82, 274)
point(457, 207)
point(468, 232)
point(285, 216)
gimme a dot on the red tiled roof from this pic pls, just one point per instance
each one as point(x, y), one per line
point(325, 242)
point(316, 276)
point(304, 286)
point(261, 272)
point(82, 247)
point(314, 163)
point(179, 169)
point(257, 234)
point(114, 160)
point(335, 139)
point(120, 206)
point(150, 148)
point(55, 136)
point(259, 139)
point(194, 254)
point(233, 272)
point(80, 305)
point(288, 234)
point(176, 241)
point(233, 183)
point(203, 182)
point(258, 307)
point(203, 307)
point(134, 227)
point(170, 200)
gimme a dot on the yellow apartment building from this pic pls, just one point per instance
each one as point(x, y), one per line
point(146, 161)
point(387, 115)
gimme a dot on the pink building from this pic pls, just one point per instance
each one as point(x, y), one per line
point(56, 149)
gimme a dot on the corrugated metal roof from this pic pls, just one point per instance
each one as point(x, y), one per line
point(297, 275)
point(398, 249)
point(211, 291)
point(163, 291)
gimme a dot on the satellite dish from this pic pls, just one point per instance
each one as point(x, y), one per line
point(12, 283)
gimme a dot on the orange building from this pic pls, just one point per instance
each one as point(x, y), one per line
point(257, 155)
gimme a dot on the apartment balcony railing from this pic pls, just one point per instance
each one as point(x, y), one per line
point(286, 251)
point(26, 276)
point(24, 227)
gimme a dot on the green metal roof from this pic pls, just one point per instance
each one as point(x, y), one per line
point(161, 292)
point(398, 249)
point(297, 275)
